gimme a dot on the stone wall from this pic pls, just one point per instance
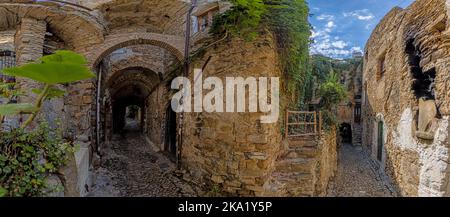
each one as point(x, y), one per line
point(327, 161)
point(7, 40)
point(233, 150)
point(409, 42)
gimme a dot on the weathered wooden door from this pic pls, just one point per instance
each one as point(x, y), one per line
point(380, 141)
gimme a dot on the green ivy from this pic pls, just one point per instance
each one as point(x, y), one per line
point(242, 20)
point(288, 20)
point(27, 158)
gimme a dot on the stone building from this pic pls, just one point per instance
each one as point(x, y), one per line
point(349, 111)
point(406, 98)
point(137, 48)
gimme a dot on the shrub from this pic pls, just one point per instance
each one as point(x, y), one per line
point(331, 93)
point(27, 158)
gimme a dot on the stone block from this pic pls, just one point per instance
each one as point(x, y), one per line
point(257, 139)
point(217, 179)
point(256, 156)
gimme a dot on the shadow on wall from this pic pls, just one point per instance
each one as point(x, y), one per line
point(370, 135)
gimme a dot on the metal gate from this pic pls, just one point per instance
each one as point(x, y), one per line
point(303, 123)
point(7, 60)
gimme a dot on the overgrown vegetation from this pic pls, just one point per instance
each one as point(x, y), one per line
point(288, 20)
point(331, 93)
point(325, 72)
point(28, 156)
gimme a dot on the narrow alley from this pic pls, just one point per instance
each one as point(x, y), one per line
point(356, 176)
point(132, 169)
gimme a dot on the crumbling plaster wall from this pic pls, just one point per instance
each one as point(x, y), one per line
point(417, 167)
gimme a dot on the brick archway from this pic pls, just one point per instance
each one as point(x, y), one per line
point(174, 44)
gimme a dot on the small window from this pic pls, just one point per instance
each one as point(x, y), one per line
point(203, 23)
point(205, 19)
point(194, 24)
point(381, 67)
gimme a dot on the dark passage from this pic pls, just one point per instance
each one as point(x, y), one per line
point(345, 131)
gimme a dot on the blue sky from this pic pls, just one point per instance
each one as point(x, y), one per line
point(342, 26)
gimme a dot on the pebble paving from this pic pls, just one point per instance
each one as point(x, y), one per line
point(130, 168)
point(356, 176)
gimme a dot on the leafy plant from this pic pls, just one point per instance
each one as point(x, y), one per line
point(241, 20)
point(59, 68)
point(331, 93)
point(288, 21)
point(27, 158)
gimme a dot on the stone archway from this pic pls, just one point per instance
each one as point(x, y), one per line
point(129, 86)
point(173, 44)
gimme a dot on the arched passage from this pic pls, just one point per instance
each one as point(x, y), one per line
point(134, 96)
point(135, 76)
point(128, 90)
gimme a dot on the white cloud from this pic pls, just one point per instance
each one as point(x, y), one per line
point(325, 17)
point(363, 14)
point(339, 44)
point(356, 49)
point(330, 24)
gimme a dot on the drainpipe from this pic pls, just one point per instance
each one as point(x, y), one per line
point(99, 87)
point(185, 74)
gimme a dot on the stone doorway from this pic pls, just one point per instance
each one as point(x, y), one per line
point(171, 132)
point(345, 131)
point(380, 142)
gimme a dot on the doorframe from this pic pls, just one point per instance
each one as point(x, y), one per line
point(167, 130)
point(375, 145)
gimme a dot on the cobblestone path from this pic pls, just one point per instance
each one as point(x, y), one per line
point(356, 176)
point(132, 169)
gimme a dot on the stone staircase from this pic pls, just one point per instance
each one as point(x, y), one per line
point(357, 134)
point(295, 169)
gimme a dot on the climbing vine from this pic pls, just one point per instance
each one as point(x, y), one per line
point(288, 20)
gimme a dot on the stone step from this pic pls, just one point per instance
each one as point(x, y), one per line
point(304, 152)
point(296, 165)
point(293, 177)
point(299, 143)
point(290, 184)
point(296, 184)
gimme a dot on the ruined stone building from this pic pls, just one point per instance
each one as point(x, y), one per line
point(136, 49)
point(406, 98)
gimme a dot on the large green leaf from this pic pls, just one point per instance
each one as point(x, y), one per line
point(14, 109)
point(3, 192)
point(64, 56)
point(51, 72)
point(52, 92)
